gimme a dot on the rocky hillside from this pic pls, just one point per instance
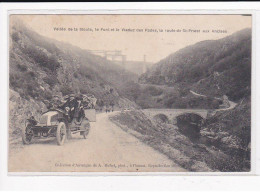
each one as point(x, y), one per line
point(213, 67)
point(169, 139)
point(41, 67)
point(19, 110)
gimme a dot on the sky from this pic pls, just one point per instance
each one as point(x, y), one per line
point(154, 44)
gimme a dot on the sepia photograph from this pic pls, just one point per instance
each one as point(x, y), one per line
point(130, 93)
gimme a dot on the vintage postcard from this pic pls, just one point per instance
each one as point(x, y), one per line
point(129, 93)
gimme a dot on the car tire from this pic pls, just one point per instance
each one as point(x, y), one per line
point(61, 133)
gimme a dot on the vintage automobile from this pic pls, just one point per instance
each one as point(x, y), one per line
point(55, 123)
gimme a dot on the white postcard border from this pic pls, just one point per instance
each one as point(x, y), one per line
point(255, 83)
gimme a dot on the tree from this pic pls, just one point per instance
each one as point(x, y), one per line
point(131, 90)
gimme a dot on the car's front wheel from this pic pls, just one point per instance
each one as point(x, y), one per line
point(61, 133)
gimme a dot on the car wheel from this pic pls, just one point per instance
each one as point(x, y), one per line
point(61, 133)
point(27, 135)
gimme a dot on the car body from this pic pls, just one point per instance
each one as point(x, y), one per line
point(54, 123)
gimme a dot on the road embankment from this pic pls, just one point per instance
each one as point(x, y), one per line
point(167, 139)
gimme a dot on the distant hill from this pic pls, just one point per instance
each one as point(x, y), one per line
point(137, 67)
point(212, 67)
point(41, 67)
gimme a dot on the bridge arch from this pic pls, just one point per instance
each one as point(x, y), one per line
point(161, 118)
point(190, 124)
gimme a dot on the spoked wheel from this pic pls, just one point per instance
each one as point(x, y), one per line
point(86, 127)
point(27, 135)
point(61, 133)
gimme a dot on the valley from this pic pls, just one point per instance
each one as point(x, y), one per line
point(190, 111)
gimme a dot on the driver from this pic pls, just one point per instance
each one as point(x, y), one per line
point(69, 106)
point(78, 106)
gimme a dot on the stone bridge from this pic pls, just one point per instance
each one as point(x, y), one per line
point(171, 114)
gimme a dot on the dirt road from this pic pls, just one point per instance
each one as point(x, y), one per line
point(231, 104)
point(107, 148)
